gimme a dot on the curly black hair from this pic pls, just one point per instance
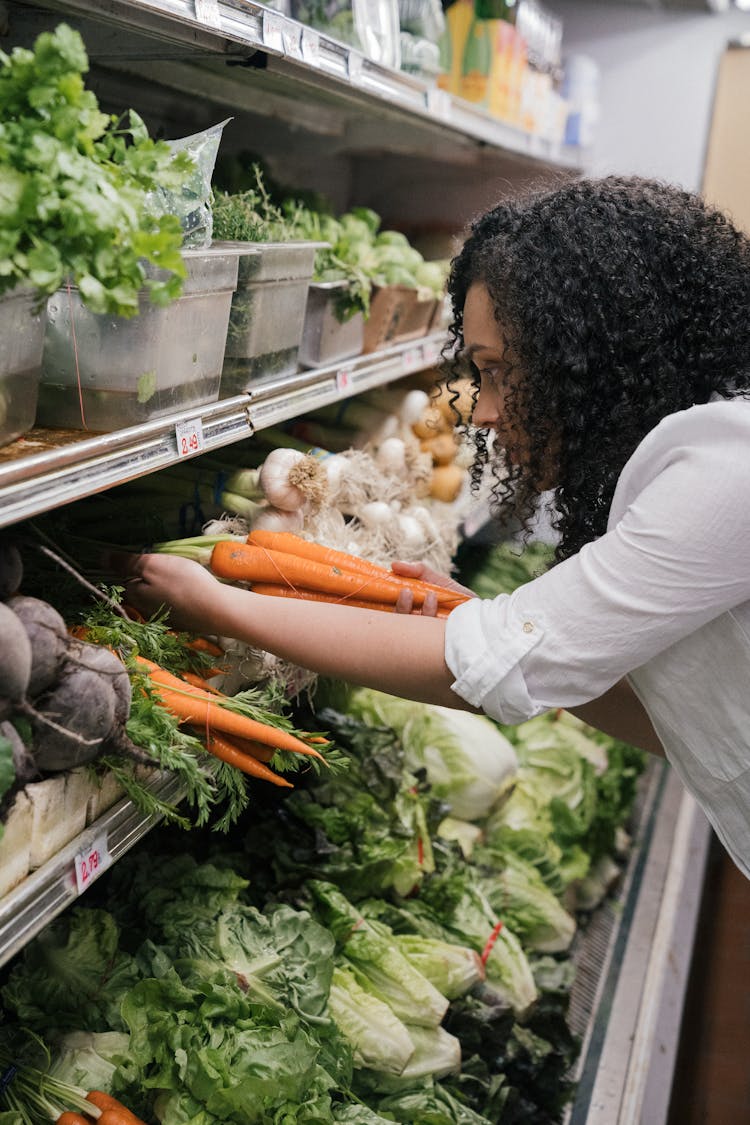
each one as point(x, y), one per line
point(621, 300)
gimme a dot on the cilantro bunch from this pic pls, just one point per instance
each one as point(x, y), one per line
point(74, 185)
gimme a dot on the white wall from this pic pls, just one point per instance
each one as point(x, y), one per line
point(658, 75)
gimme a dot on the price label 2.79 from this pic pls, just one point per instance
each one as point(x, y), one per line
point(189, 438)
point(91, 862)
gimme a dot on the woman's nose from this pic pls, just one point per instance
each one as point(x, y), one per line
point(485, 413)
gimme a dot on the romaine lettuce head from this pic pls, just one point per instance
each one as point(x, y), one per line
point(469, 763)
point(437, 1054)
point(453, 969)
point(378, 1038)
point(380, 965)
point(520, 897)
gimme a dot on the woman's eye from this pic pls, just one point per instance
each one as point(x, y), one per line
point(491, 374)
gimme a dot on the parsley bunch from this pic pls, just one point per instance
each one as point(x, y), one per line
point(74, 185)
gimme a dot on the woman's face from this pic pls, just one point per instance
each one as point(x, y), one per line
point(485, 346)
point(500, 380)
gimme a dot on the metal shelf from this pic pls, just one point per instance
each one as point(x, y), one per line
point(47, 468)
point(44, 894)
point(196, 43)
point(633, 963)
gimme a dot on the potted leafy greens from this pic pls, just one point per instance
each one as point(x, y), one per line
point(73, 185)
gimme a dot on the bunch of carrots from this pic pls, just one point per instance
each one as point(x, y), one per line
point(245, 743)
point(104, 1110)
point(284, 565)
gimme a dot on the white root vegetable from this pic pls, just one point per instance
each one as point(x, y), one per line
point(274, 519)
point(81, 654)
point(290, 479)
point(391, 456)
point(411, 532)
point(376, 514)
point(48, 637)
point(335, 467)
point(15, 657)
point(73, 720)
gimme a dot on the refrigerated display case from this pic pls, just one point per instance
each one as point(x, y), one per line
point(317, 105)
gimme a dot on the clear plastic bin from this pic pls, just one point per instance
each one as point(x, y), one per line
point(326, 339)
point(268, 312)
point(21, 344)
point(104, 372)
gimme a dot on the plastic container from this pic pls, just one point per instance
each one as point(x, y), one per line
point(325, 339)
point(104, 372)
point(396, 315)
point(21, 344)
point(268, 312)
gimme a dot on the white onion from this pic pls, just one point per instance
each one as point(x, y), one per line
point(376, 514)
point(391, 456)
point(413, 407)
point(274, 479)
point(334, 467)
point(411, 531)
point(275, 519)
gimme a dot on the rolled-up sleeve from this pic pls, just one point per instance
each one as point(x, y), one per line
point(675, 556)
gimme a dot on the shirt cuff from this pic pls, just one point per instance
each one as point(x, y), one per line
point(484, 643)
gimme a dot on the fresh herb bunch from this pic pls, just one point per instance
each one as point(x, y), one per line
point(74, 184)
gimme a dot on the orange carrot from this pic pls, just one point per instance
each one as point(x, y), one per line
point(199, 682)
point(200, 644)
point(121, 1116)
point(226, 751)
point(71, 1118)
point(291, 544)
point(257, 749)
point(276, 590)
point(201, 709)
point(242, 562)
point(104, 1101)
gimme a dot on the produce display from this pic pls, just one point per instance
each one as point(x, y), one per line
point(384, 939)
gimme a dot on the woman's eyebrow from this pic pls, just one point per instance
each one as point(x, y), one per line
point(474, 348)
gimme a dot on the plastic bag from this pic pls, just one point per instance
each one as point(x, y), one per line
point(192, 205)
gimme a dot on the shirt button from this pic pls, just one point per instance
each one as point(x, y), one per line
point(528, 627)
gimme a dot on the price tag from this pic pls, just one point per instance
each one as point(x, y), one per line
point(273, 32)
point(310, 46)
point(431, 354)
point(355, 65)
point(412, 359)
point(439, 102)
point(291, 34)
point(207, 11)
point(189, 437)
point(89, 864)
point(343, 380)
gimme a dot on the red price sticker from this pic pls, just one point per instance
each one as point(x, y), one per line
point(343, 380)
point(310, 46)
point(273, 32)
point(189, 438)
point(91, 862)
point(412, 359)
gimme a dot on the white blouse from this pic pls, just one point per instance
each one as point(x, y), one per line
point(663, 597)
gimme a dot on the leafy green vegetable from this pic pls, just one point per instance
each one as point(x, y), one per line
point(469, 763)
point(74, 184)
point(73, 976)
point(379, 1039)
point(453, 969)
point(89, 1059)
point(380, 966)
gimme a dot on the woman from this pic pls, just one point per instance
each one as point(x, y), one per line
point(607, 324)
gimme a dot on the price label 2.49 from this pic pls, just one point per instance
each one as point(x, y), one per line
point(189, 438)
point(91, 862)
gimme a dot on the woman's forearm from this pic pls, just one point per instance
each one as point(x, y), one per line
point(402, 654)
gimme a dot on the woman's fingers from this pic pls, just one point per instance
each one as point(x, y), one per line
point(427, 574)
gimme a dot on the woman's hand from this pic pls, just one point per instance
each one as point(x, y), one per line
point(405, 601)
point(190, 592)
